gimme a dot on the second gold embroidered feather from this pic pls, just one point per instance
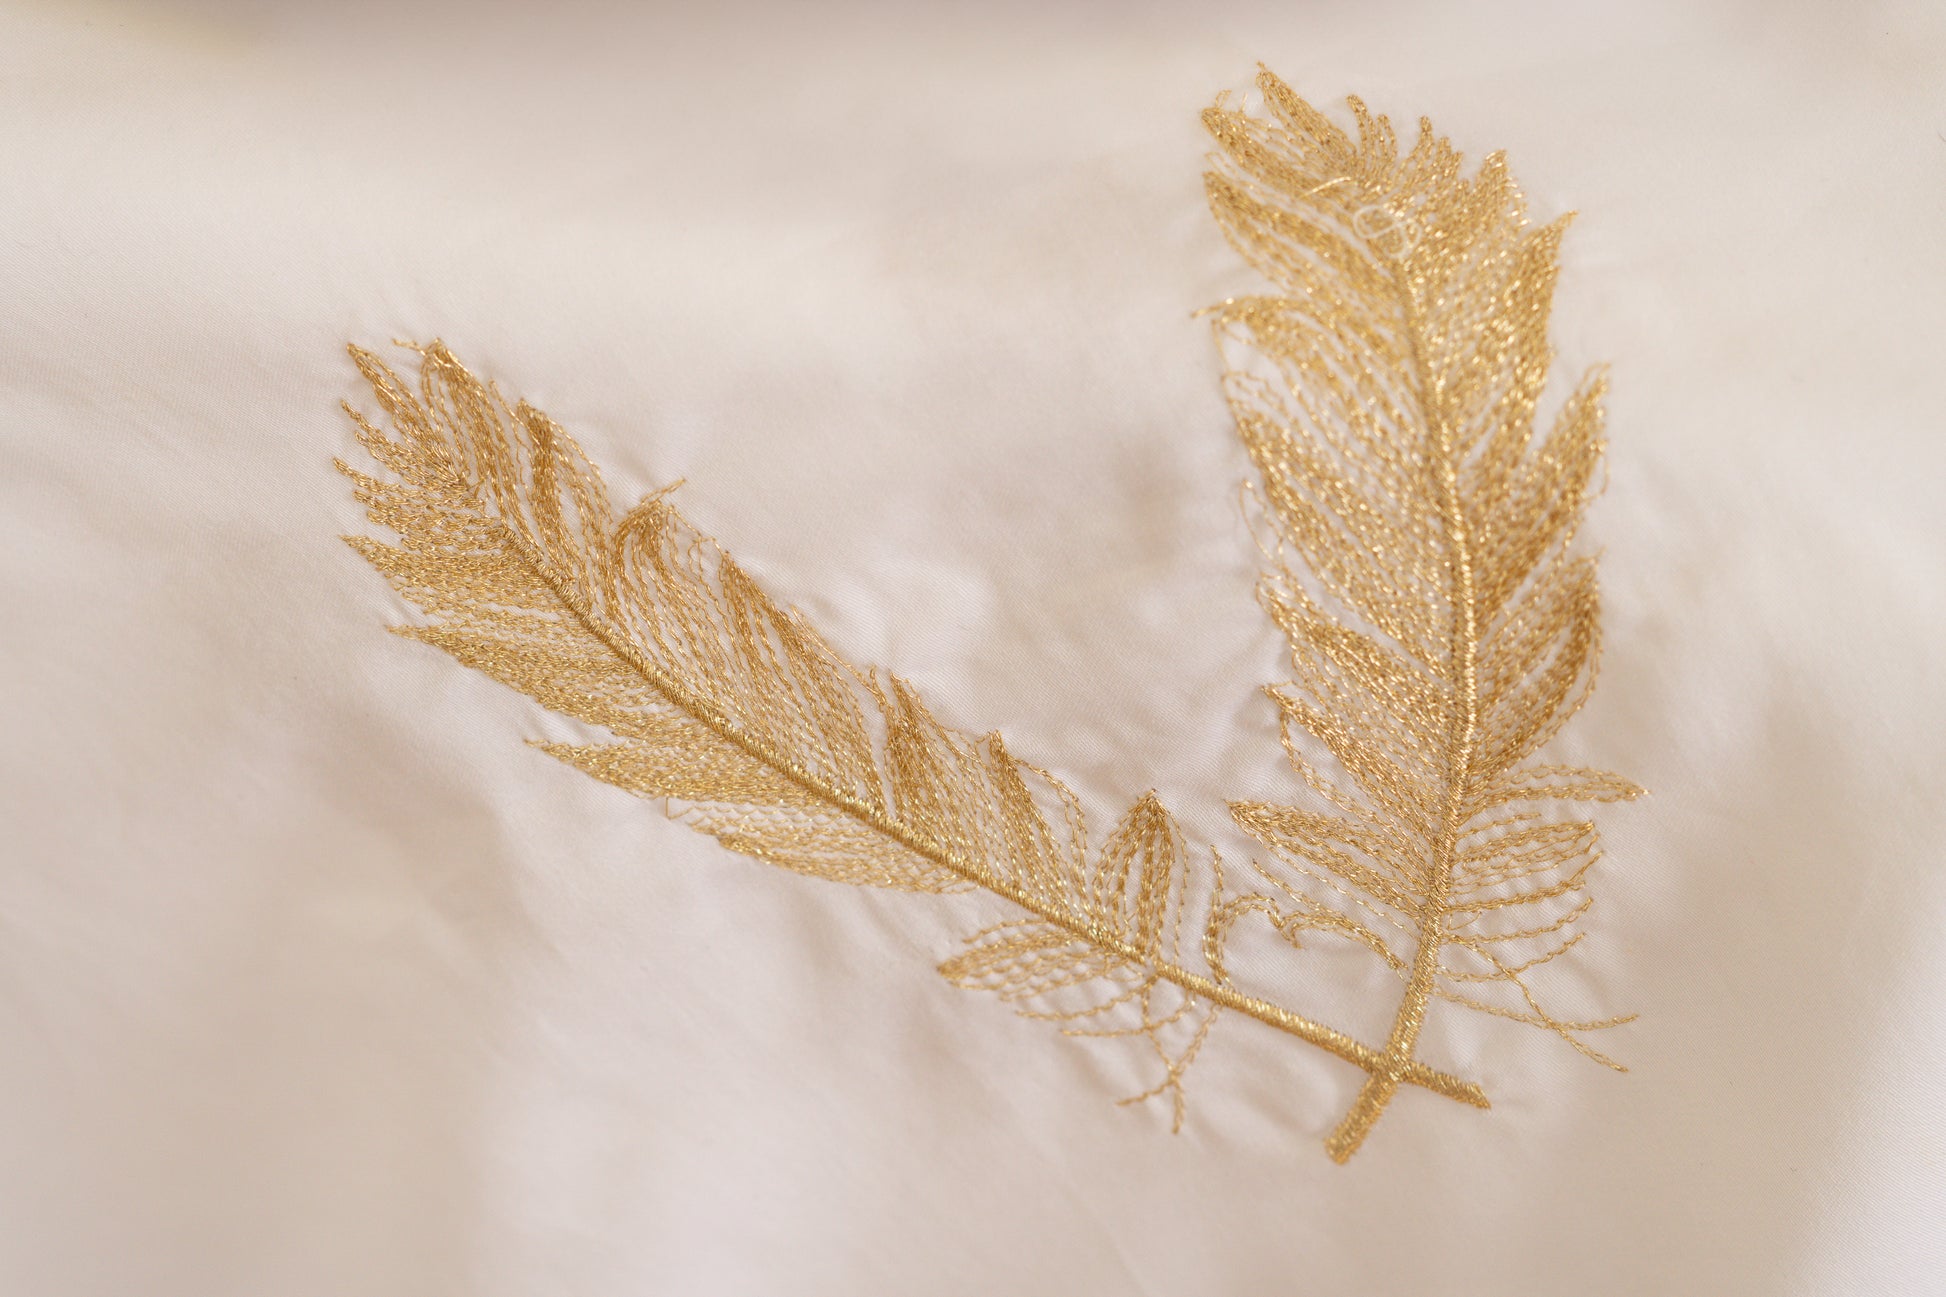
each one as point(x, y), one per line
point(1441, 629)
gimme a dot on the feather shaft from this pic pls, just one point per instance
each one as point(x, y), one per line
point(1463, 678)
point(1326, 1038)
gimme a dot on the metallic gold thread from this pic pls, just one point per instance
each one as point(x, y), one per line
point(1388, 400)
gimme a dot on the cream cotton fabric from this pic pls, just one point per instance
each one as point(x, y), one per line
point(316, 979)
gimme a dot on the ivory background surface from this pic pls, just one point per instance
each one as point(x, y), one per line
point(315, 979)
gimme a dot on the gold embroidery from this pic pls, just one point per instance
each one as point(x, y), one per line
point(1387, 399)
point(773, 744)
point(1388, 402)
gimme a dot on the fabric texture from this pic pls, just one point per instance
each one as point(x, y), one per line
point(318, 978)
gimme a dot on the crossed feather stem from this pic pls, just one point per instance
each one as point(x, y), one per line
point(1463, 672)
point(1394, 1066)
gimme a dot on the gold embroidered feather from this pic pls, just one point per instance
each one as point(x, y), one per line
point(739, 711)
point(1444, 634)
point(1441, 629)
